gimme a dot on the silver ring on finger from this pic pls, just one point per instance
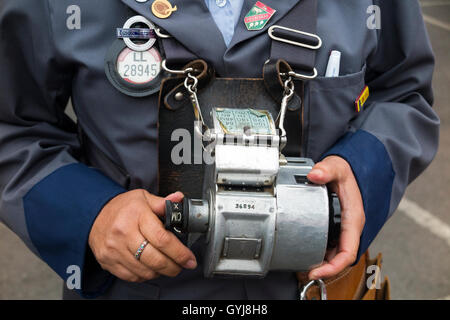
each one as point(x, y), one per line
point(141, 248)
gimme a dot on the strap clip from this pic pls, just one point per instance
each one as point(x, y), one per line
point(161, 34)
point(300, 76)
point(322, 289)
point(305, 43)
point(296, 38)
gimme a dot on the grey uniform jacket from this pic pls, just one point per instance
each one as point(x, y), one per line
point(50, 199)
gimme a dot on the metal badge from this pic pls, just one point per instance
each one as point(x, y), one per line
point(134, 73)
point(258, 16)
point(136, 33)
point(162, 9)
point(132, 64)
point(221, 3)
point(128, 26)
point(139, 67)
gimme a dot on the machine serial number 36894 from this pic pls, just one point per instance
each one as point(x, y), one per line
point(250, 206)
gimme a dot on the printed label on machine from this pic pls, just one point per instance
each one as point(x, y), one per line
point(236, 121)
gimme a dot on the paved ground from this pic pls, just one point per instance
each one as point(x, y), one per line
point(416, 259)
point(415, 242)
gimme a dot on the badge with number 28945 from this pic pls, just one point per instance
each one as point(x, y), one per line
point(139, 67)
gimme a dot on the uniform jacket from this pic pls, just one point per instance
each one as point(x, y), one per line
point(53, 184)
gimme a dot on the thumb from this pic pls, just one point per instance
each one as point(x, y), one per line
point(175, 197)
point(324, 172)
point(158, 204)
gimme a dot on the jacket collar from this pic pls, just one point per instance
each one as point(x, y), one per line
point(241, 33)
point(194, 27)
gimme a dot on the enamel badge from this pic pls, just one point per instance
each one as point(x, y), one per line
point(362, 98)
point(133, 63)
point(162, 9)
point(258, 16)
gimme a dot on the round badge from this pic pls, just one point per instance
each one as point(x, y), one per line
point(139, 67)
point(221, 3)
point(139, 46)
point(135, 73)
point(162, 9)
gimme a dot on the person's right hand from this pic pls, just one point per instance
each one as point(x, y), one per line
point(123, 224)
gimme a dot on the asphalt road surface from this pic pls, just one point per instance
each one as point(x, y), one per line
point(415, 242)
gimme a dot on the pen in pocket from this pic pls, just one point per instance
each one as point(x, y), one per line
point(333, 64)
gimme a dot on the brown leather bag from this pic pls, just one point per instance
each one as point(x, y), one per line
point(351, 283)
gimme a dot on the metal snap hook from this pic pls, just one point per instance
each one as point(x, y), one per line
point(288, 88)
point(322, 288)
point(162, 35)
point(165, 68)
point(193, 86)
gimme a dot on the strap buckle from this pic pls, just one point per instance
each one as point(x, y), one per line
point(300, 75)
point(295, 43)
point(300, 41)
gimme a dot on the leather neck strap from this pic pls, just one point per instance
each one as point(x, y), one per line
point(293, 40)
point(303, 18)
point(297, 27)
point(294, 45)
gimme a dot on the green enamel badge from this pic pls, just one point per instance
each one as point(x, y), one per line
point(258, 16)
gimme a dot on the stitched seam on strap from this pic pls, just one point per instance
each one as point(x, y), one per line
point(346, 272)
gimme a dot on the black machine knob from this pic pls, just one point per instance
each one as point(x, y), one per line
point(177, 216)
point(334, 226)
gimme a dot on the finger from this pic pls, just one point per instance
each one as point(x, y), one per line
point(166, 242)
point(332, 268)
point(139, 268)
point(151, 260)
point(123, 273)
point(348, 248)
point(324, 172)
point(331, 253)
point(136, 266)
point(157, 261)
point(158, 204)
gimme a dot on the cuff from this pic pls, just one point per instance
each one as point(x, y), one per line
point(59, 212)
point(374, 174)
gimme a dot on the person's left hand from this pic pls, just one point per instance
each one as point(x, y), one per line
point(337, 173)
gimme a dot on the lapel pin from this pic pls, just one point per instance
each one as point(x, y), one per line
point(258, 16)
point(162, 9)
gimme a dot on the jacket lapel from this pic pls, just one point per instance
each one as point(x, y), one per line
point(191, 24)
point(194, 27)
point(242, 34)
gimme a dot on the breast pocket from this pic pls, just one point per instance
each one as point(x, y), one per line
point(329, 108)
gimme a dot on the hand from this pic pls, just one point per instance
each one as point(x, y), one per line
point(337, 173)
point(123, 224)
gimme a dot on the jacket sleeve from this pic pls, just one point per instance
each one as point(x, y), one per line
point(47, 197)
point(396, 136)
